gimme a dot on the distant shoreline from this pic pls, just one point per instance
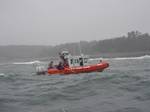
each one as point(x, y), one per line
point(100, 54)
point(135, 44)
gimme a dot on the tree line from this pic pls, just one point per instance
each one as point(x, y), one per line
point(134, 41)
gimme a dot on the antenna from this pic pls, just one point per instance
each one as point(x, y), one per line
point(80, 48)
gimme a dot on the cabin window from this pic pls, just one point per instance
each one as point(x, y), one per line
point(81, 61)
point(85, 60)
point(71, 61)
point(76, 61)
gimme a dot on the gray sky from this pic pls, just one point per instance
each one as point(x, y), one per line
point(51, 22)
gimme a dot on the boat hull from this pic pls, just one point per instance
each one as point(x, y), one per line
point(82, 69)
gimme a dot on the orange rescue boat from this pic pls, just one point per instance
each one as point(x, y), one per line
point(80, 69)
point(75, 65)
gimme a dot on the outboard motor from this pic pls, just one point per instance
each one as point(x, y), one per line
point(40, 69)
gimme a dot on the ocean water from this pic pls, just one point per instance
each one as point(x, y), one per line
point(123, 87)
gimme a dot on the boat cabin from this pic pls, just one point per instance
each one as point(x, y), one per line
point(75, 61)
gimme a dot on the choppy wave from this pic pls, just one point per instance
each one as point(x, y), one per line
point(121, 88)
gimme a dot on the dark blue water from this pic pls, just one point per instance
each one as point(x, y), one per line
point(123, 87)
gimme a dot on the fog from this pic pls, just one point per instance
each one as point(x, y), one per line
point(53, 22)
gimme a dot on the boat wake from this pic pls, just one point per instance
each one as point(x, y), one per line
point(27, 63)
point(132, 58)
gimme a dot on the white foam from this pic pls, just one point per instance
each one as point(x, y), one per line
point(26, 63)
point(121, 58)
point(95, 59)
point(132, 58)
point(2, 74)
